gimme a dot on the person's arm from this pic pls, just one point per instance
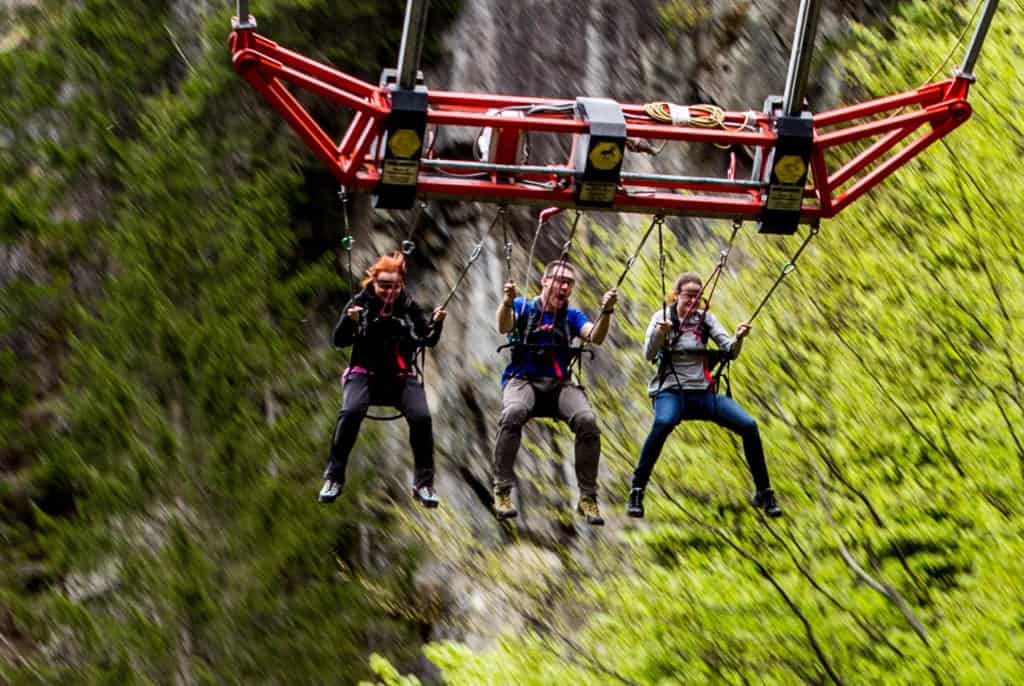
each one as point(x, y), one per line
point(345, 330)
point(428, 331)
point(506, 308)
point(654, 339)
point(732, 345)
point(436, 325)
point(595, 333)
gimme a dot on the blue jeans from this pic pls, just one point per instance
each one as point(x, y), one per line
point(675, 405)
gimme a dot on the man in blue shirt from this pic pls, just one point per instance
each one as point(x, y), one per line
point(537, 382)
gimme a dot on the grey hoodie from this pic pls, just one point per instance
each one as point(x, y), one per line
point(687, 365)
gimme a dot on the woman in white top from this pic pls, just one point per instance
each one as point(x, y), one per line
point(683, 389)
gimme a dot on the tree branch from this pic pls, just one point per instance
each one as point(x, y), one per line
point(808, 628)
point(881, 587)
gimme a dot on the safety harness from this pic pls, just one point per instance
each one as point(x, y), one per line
point(527, 328)
point(716, 361)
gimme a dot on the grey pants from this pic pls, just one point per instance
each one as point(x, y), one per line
point(523, 399)
point(408, 396)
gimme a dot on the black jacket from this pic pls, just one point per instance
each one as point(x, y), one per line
point(378, 341)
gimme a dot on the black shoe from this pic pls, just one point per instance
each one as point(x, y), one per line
point(635, 506)
point(330, 491)
point(765, 501)
point(426, 496)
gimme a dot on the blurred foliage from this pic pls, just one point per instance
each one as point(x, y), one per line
point(162, 527)
point(164, 412)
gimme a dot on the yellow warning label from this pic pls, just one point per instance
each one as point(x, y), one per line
point(790, 168)
point(400, 172)
point(785, 198)
point(597, 192)
point(606, 155)
point(404, 143)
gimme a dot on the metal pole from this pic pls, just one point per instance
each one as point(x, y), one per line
point(244, 20)
point(412, 42)
point(800, 58)
point(980, 31)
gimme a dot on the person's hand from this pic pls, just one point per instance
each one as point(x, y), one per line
point(742, 330)
point(354, 312)
point(609, 300)
point(664, 326)
point(440, 314)
point(509, 293)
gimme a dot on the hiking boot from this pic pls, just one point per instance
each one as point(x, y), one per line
point(330, 491)
point(589, 509)
point(503, 507)
point(765, 501)
point(635, 506)
point(426, 496)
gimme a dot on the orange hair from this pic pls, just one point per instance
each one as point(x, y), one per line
point(394, 262)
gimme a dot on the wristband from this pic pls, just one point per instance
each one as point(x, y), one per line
point(608, 311)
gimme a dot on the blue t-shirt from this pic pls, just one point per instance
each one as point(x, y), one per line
point(541, 363)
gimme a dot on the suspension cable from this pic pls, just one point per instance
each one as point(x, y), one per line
point(657, 221)
point(787, 269)
point(661, 273)
point(508, 256)
point(408, 247)
point(477, 249)
point(347, 241)
point(723, 257)
point(542, 219)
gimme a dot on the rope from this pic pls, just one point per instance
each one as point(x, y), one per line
point(787, 269)
point(477, 249)
point(702, 116)
point(959, 40)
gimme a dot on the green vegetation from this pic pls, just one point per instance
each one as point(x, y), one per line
point(163, 407)
point(164, 403)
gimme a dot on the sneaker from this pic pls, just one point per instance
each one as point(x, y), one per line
point(765, 501)
point(330, 491)
point(589, 509)
point(426, 496)
point(635, 506)
point(503, 507)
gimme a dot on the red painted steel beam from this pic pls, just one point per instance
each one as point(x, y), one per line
point(886, 168)
point(264, 64)
point(926, 95)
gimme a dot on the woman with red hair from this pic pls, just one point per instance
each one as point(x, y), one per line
point(385, 328)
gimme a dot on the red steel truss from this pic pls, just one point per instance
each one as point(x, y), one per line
point(887, 132)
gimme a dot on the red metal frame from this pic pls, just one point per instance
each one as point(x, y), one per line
point(899, 119)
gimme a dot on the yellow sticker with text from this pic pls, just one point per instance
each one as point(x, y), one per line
point(605, 156)
point(404, 143)
point(790, 168)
